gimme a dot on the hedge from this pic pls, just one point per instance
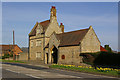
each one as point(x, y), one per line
point(102, 58)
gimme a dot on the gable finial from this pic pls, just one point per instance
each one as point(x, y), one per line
point(90, 26)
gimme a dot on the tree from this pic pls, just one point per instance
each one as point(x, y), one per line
point(108, 48)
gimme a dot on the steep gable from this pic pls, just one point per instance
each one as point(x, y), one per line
point(44, 24)
point(53, 40)
point(90, 42)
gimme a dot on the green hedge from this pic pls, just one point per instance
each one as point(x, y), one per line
point(6, 56)
point(102, 58)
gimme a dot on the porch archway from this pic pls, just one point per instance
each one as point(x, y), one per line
point(54, 55)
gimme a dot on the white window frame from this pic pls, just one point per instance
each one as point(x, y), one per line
point(38, 43)
point(38, 55)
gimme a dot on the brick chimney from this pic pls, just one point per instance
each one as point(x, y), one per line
point(62, 27)
point(53, 13)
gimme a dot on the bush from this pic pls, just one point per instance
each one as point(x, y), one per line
point(110, 59)
point(107, 59)
point(5, 56)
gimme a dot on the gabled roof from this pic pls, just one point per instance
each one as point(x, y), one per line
point(102, 49)
point(71, 38)
point(9, 48)
point(44, 24)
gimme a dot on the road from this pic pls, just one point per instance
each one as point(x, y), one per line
point(12, 71)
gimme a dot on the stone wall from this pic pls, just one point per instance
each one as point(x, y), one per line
point(90, 43)
point(23, 56)
point(53, 41)
point(53, 26)
point(71, 53)
point(33, 50)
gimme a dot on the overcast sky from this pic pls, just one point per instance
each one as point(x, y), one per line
point(103, 16)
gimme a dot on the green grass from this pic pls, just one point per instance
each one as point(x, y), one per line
point(88, 70)
point(13, 61)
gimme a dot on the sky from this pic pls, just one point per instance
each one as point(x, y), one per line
point(22, 16)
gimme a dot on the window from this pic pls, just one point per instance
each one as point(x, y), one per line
point(31, 43)
point(38, 55)
point(38, 43)
point(38, 30)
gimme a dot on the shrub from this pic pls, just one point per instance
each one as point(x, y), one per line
point(107, 59)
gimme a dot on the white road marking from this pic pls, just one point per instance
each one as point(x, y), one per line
point(32, 76)
point(44, 74)
point(47, 73)
point(12, 71)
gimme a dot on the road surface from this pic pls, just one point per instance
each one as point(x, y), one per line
point(12, 71)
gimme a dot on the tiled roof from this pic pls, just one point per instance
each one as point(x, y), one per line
point(71, 38)
point(8, 48)
point(102, 49)
point(44, 24)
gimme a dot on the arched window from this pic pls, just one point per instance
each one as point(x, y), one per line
point(63, 56)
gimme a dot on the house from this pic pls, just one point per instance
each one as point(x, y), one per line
point(40, 34)
point(50, 44)
point(10, 49)
point(103, 49)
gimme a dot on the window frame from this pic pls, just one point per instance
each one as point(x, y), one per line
point(38, 43)
point(38, 54)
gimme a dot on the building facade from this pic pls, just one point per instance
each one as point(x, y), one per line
point(40, 34)
point(11, 50)
point(50, 44)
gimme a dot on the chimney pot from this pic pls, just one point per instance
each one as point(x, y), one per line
point(61, 23)
point(53, 7)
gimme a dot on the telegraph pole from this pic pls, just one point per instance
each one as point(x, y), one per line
point(13, 38)
point(13, 46)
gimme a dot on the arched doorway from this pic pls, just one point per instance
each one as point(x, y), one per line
point(54, 55)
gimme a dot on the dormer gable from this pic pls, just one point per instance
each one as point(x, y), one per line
point(39, 30)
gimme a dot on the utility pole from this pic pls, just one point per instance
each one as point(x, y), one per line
point(13, 46)
point(13, 38)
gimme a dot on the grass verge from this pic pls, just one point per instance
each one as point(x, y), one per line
point(13, 61)
point(87, 70)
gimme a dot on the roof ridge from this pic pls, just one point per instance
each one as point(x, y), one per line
point(73, 31)
point(8, 45)
point(44, 21)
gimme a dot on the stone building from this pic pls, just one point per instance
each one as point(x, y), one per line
point(50, 44)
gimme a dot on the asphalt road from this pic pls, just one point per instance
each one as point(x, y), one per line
point(13, 71)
